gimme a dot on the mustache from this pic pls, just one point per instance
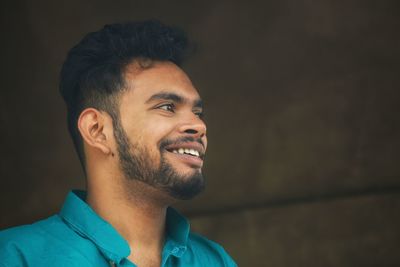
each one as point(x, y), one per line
point(180, 140)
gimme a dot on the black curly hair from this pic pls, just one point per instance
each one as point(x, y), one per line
point(93, 72)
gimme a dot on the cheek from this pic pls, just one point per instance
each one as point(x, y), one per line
point(153, 133)
point(159, 129)
point(149, 131)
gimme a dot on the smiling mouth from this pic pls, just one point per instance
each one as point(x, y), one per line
point(190, 149)
point(187, 151)
point(192, 154)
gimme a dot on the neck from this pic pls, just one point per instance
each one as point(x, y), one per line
point(140, 219)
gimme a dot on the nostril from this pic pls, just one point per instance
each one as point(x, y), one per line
point(191, 131)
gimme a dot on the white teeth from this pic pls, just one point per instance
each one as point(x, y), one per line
point(187, 151)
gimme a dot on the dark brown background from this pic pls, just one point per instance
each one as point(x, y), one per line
point(302, 108)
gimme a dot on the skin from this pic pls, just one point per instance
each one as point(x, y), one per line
point(136, 209)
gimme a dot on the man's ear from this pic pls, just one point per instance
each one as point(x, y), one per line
point(92, 125)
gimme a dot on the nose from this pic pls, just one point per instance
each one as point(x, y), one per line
point(194, 127)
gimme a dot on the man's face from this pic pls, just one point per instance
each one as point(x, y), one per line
point(160, 136)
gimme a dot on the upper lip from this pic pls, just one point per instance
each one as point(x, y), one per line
point(189, 145)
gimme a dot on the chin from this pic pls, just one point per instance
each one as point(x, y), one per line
point(186, 175)
point(187, 186)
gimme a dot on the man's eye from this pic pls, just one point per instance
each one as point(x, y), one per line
point(168, 107)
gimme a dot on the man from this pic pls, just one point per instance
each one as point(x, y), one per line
point(136, 122)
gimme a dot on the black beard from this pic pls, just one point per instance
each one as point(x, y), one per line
point(136, 164)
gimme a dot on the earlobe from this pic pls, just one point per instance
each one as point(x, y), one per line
point(91, 125)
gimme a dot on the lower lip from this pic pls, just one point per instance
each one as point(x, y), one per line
point(194, 162)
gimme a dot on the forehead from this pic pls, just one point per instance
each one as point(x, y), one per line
point(163, 77)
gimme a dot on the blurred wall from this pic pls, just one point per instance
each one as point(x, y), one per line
point(302, 103)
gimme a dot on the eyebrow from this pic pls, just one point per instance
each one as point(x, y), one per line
point(198, 103)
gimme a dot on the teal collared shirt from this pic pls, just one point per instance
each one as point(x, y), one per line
point(77, 236)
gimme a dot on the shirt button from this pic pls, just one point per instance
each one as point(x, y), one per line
point(175, 250)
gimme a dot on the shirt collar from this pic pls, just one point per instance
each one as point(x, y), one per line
point(85, 221)
point(178, 227)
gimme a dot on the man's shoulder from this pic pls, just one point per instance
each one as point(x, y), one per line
point(46, 241)
point(27, 243)
point(26, 234)
point(210, 250)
